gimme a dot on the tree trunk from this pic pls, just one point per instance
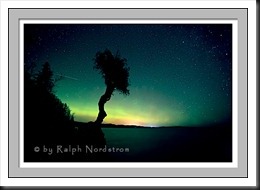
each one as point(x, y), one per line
point(101, 104)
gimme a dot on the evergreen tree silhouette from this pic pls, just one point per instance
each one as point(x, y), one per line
point(45, 79)
point(115, 71)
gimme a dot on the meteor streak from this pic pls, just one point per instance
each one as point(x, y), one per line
point(68, 77)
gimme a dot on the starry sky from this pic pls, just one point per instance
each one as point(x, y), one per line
point(180, 74)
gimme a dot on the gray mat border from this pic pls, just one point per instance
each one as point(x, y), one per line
point(14, 15)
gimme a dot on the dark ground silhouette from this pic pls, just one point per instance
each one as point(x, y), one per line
point(48, 121)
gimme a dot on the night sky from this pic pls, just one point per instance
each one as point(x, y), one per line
point(180, 74)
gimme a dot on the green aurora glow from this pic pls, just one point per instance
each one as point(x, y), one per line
point(180, 75)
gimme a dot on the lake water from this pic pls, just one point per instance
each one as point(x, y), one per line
point(173, 144)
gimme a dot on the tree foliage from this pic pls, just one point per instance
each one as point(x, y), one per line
point(113, 69)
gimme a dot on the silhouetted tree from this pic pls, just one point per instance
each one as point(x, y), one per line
point(115, 71)
point(45, 79)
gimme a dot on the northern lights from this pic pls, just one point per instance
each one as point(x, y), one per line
point(180, 74)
